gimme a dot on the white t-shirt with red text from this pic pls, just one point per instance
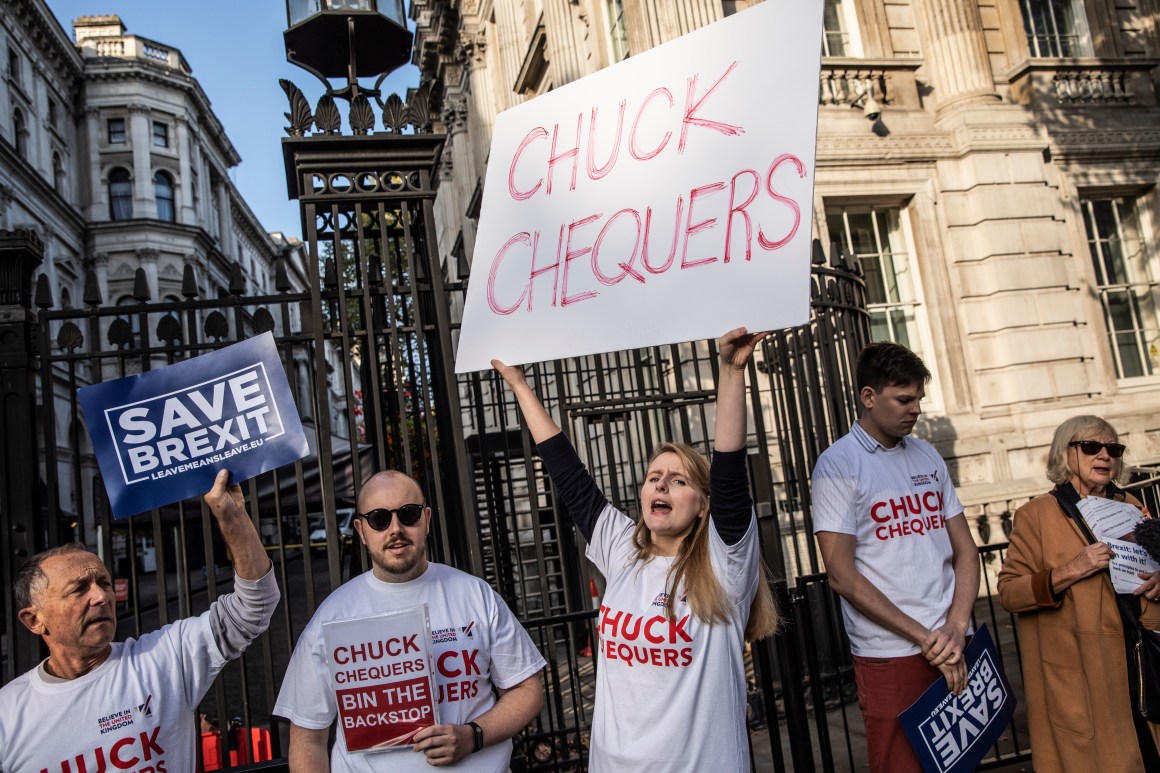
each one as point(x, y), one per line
point(896, 502)
point(658, 679)
point(477, 643)
point(135, 711)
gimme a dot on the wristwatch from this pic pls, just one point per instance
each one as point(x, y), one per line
point(477, 731)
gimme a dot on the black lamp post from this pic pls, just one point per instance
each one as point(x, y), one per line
point(349, 39)
point(377, 295)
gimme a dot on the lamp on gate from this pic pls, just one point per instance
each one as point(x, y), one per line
point(347, 39)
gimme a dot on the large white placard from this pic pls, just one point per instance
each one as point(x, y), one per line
point(664, 199)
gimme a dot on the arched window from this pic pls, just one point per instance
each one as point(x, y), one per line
point(20, 133)
point(120, 195)
point(163, 193)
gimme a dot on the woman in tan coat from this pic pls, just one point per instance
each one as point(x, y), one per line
point(1075, 674)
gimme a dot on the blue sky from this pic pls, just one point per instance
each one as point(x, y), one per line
point(235, 50)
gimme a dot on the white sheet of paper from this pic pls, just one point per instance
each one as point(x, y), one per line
point(1129, 561)
point(1109, 519)
point(664, 199)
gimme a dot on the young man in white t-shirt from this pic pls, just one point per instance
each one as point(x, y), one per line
point(897, 550)
point(478, 646)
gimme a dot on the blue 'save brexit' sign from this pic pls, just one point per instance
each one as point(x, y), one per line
point(951, 733)
point(161, 437)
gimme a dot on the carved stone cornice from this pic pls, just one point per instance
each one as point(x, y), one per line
point(148, 255)
point(1120, 146)
point(137, 109)
point(1022, 137)
point(868, 147)
point(97, 260)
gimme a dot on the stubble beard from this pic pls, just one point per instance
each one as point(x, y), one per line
point(400, 566)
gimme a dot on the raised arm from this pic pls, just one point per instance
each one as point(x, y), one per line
point(577, 489)
point(240, 617)
point(536, 417)
point(229, 510)
point(735, 348)
point(731, 505)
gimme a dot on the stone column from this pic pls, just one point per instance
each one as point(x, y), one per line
point(481, 108)
point(650, 23)
point(957, 51)
point(141, 137)
point(511, 43)
point(565, 57)
point(148, 257)
point(225, 222)
point(98, 191)
point(100, 266)
point(6, 198)
point(184, 202)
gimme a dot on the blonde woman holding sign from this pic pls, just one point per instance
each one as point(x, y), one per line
point(685, 587)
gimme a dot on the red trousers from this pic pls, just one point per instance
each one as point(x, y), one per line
point(886, 688)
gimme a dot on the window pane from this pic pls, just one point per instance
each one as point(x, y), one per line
point(1123, 269)
point(1051, 28)
point(834, 40)
point(617, 32)
point(163, 193)
point(116, 131)
point(160, 135)
point(120, 195)
point(874, 234)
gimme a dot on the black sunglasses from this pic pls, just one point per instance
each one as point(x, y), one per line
point(1092, 447)
point(381, 517)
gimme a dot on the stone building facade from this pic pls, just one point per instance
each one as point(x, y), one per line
point(111, 154)
point(993, 163)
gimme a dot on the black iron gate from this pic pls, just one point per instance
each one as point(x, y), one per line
point(365, 323)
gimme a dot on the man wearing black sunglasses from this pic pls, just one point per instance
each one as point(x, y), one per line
point(477, 644)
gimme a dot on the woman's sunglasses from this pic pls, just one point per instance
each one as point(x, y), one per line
point(1092, 447)
point(381, 517)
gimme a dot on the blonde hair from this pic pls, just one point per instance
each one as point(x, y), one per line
point(706, 597)
point(1079, 428)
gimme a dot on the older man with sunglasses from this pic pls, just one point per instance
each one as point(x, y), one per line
point(481, 648)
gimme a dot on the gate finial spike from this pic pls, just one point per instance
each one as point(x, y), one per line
point(818, 257)
point(189, 282)
point(281, 276)
point(43, 297)
point(140, 285)
point(375, 271)
point(237, 280)
point(92, 289)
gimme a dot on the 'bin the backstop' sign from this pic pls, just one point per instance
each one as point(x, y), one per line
point(664, 199)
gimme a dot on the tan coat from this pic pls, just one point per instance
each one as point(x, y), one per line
point(1075, 674)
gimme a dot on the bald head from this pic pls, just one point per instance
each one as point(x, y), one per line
point(391, 483)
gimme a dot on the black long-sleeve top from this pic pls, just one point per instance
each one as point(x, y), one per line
point(731, 505)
